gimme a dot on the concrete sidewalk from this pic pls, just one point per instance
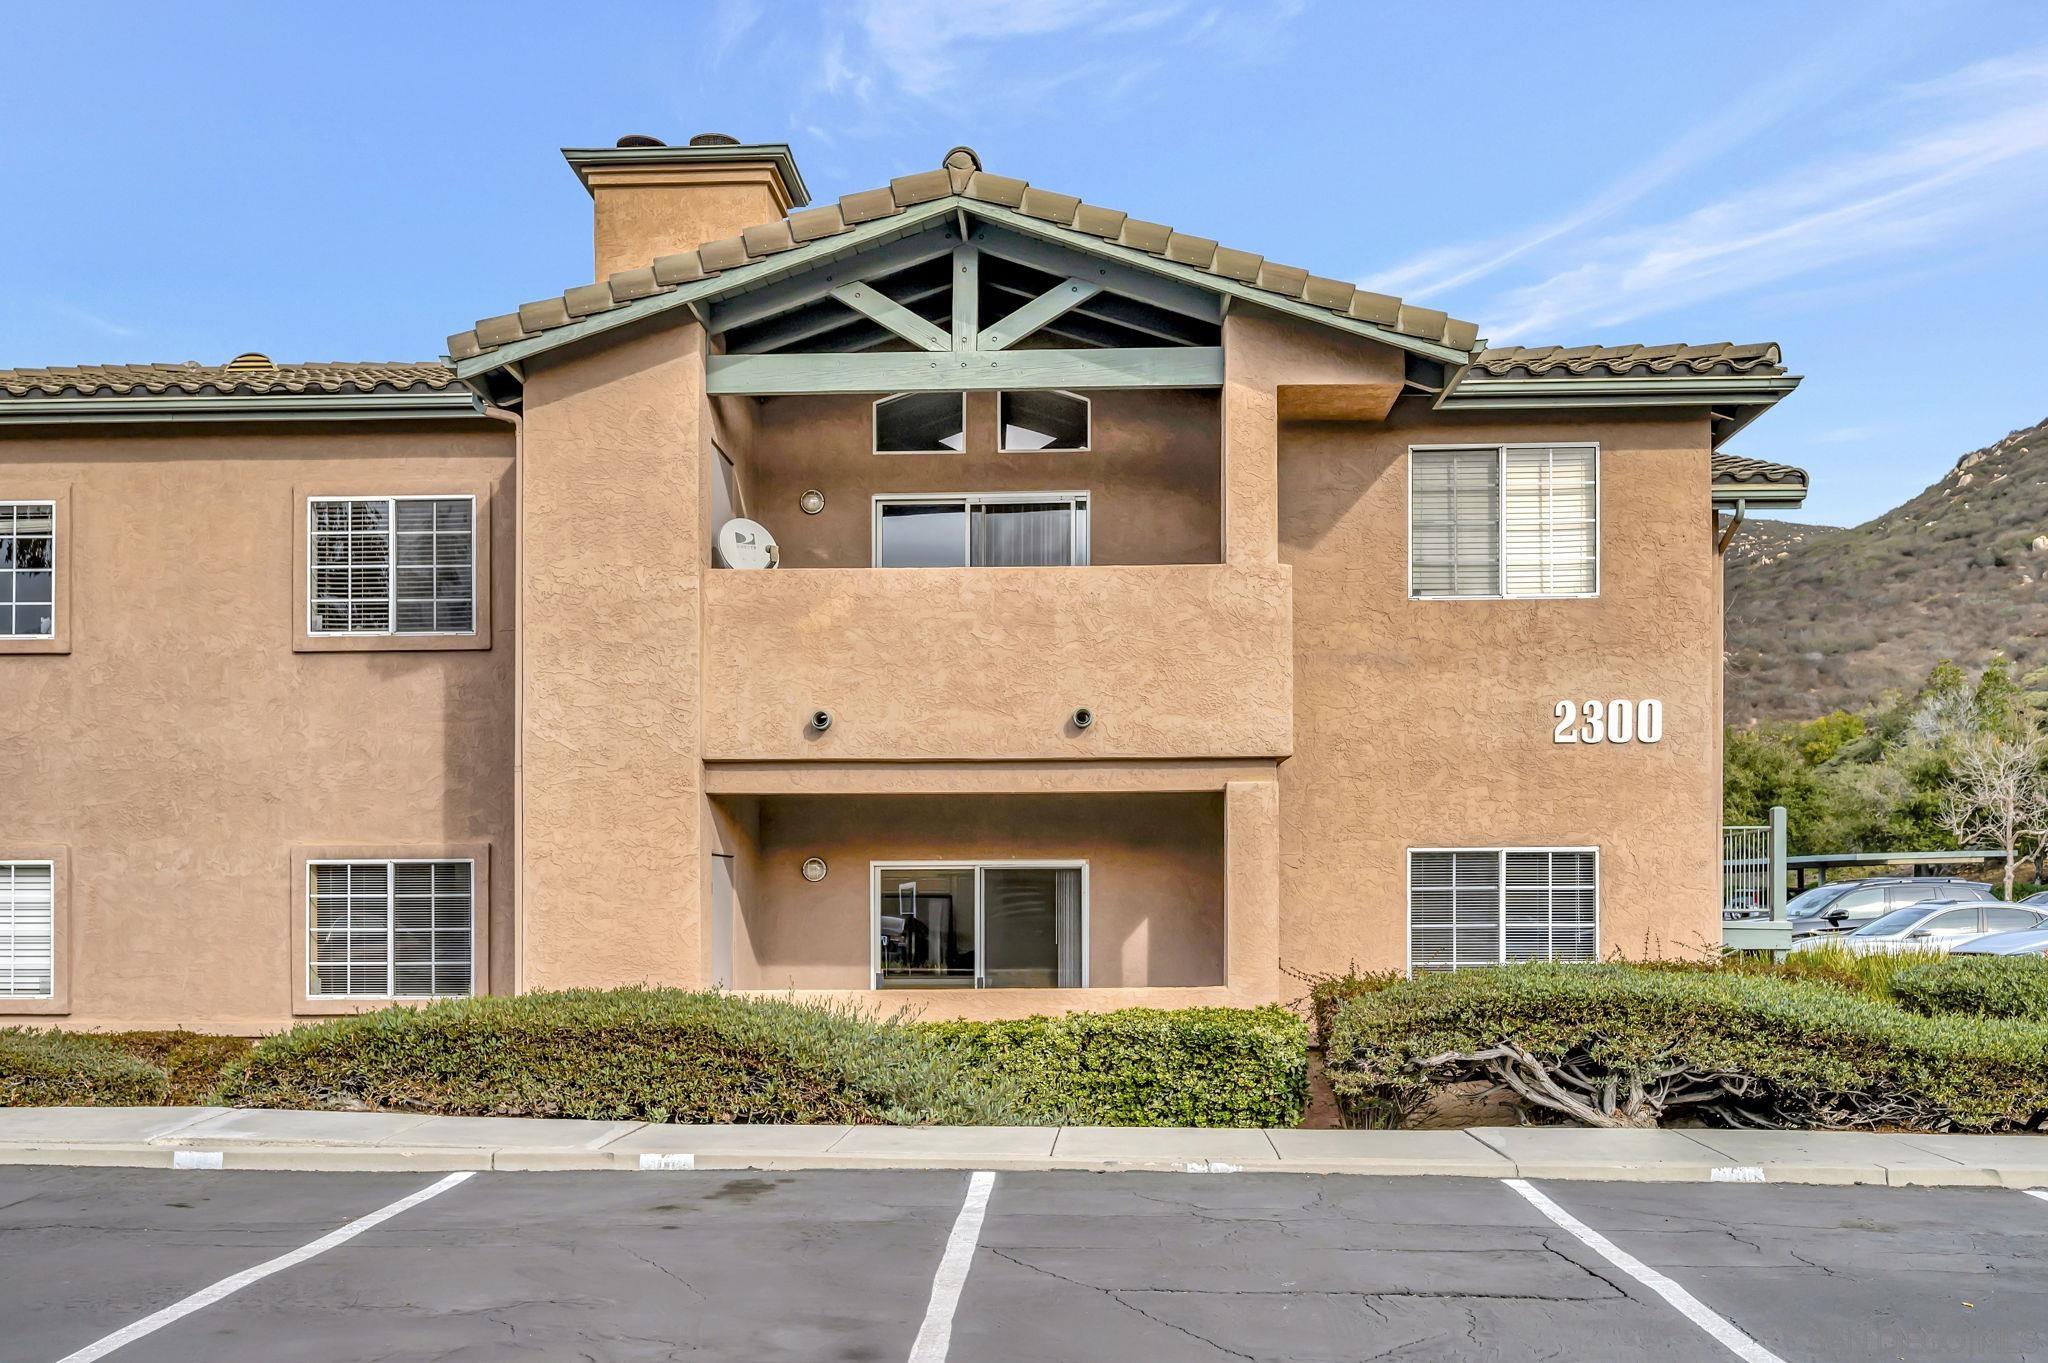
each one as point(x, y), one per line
point(251, 1138)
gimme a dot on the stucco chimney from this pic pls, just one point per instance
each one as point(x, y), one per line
point(650, 200)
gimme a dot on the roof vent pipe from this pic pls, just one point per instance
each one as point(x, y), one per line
point(640, 140)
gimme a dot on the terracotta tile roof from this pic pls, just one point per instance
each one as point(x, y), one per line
point(1733, 468)
point(1620, 361)
point(241, 376)
point(962, 175)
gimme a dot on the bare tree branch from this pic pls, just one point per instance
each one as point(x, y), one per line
point(1997, 795)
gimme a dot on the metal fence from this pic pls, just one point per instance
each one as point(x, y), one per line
point(1746, 868)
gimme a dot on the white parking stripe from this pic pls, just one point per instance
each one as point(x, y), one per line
point(2036, 1192)
point(936, 1334)
point(228, 1286)
point(1687, 1305)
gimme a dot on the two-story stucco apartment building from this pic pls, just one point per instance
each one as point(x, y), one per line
point(1147, 618)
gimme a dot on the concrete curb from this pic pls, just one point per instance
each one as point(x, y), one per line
point(204, 1139)
point(399, 1159)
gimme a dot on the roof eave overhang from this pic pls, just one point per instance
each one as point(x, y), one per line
point(1646, 390)
point(1777, 496)
point(744, 278)
point(1733, 400)
point(164, 408)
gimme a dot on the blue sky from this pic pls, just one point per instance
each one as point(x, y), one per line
point(1864, 183)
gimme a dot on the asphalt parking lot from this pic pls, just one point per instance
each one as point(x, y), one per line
point(1053, 1266)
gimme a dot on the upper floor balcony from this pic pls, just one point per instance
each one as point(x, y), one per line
point(961, 573)
point(1171, 660)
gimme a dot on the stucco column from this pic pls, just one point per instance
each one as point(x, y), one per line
point(1251, 440)
point(1251, 890)
point(610, 827)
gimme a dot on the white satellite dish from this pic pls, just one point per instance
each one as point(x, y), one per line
point(746, 544)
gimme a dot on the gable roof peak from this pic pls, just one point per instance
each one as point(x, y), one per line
point(961, 179)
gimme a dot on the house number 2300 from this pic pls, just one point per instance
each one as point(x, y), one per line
point(1608, 721)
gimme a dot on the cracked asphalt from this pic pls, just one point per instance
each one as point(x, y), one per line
point(839, 1266)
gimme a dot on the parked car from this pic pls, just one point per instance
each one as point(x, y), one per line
point(1745, 904)
point(2030, 942)
point(1936, 925)
point(1829, 910)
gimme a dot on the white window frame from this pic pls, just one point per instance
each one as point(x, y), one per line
point(313, 627)
point(875, 424)
point(1501, 884)
point(1087, 444)
point(11, 865)
point(980, 900)
point(10, 572)
point(1079, 526)
point(1500, 592)
point(390, 865)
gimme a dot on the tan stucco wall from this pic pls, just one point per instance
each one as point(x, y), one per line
point(1152, 474)
point(183, 749)
point(1429, 724)
point(611, 826)
point(1176, 661)
point(1155, 874)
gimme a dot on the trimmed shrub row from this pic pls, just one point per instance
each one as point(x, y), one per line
point(659, 1055)
point(1148, 1066)
point(1981, 986)
point(1615, 1045)
point(673, 1056)
point(43, 1069)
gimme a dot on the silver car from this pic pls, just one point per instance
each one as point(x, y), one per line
point(2032, 942)
point(1846, 905)
point(1938, 925)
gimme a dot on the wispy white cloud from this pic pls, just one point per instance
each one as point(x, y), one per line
point(1763, 107)
point(92, 321)
point(1947, 165)
point(929, 51)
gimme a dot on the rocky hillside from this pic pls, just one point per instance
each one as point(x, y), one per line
point(1822, 618)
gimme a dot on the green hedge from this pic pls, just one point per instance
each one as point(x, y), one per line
point(193, 1060)
point(647, 1054)
point(1982, 986)
point(1149, 1066)
point(41, 1069)
point(1332, 990)
point(1618, 1045)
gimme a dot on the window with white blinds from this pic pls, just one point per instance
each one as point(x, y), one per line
point(1512, 520)
point(391, 565)
point(391, 929)
point(28, 935)
point(1493, 906)
point(28, 570)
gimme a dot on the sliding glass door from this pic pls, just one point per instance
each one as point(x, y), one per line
point(980, 925)
point(987, 530)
